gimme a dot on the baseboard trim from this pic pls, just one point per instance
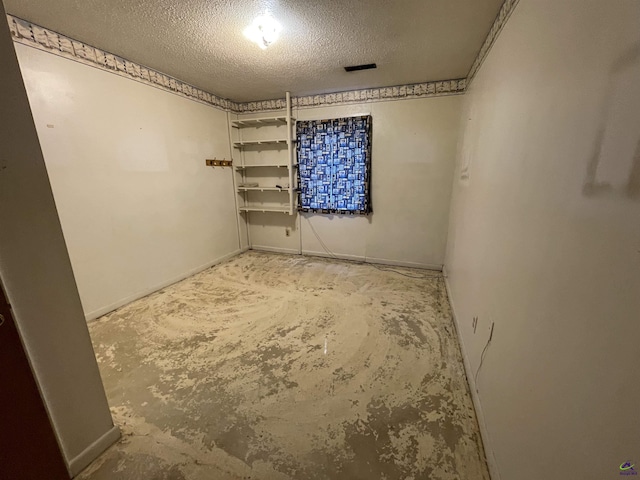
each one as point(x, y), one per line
point(264, 248)
point(399, 263)
point(377, 261)
point(93, 451)
point(354, 258)
point(484, 434)
point(111, 307)
point(341, 256)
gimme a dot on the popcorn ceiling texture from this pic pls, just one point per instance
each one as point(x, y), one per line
point(43, 39)
point(288, 367)
point(201, 41)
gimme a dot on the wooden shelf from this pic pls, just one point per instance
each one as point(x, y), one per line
point(257, 143)
point(263, 189)
point(257, 208)
point(266, 165)
point(259, 122)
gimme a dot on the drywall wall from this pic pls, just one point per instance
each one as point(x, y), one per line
point(39, 281)
point(413, 157)
point(545, 240)
point(138, 206)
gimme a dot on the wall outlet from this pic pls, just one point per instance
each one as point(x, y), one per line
point(287, 232)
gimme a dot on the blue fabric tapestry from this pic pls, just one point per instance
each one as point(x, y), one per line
point(334, 165)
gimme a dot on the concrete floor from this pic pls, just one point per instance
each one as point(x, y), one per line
point(287, 367)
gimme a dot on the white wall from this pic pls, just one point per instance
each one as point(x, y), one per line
point(138, 206)
point(413, 157)
point(39, 282)
point(545, 240)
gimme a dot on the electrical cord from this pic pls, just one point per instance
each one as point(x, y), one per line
point(378, 267)
point(322, 244)
point(484, 350)
point(387, 269)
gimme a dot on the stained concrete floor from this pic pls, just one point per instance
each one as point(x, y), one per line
point(287, 367)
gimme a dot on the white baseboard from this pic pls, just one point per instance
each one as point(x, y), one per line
point(377, 261)
point(488, 450)
point(341, 256)
point(111, 307)
point(93, 451)
point(399, 263)
point(264, 248)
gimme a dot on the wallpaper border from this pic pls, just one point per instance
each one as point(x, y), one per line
point(366, 95)
point(33, 35)
point(498, 24)
point(30, 34)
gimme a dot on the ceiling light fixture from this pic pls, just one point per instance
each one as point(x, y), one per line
point(264, 30)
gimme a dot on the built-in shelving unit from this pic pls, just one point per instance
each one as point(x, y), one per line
point(264, 175)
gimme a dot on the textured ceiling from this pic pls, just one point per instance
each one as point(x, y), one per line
point(201, 41)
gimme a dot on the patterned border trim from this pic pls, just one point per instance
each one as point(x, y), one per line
point(498, 24)
point(47, 40)
point(400, 92)
point(41, 38)
point(27, 33)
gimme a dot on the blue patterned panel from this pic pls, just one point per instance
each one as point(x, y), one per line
point(334, 159)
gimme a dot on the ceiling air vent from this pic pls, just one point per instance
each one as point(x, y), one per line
point(355, 68)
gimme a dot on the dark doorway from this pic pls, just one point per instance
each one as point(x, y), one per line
point(28, 446)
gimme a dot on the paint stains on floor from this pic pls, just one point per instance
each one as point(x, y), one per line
point(225, 376)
